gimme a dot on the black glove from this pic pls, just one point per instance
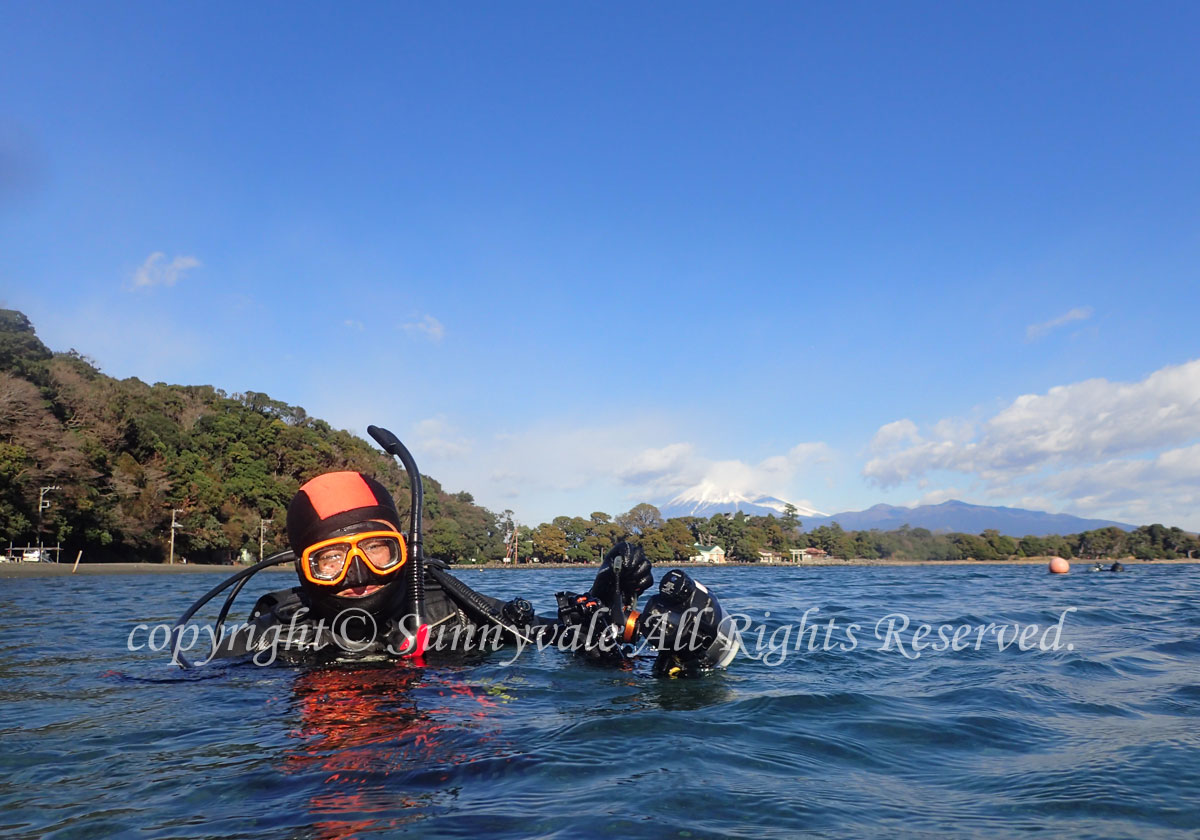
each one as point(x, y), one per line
point(624, 575)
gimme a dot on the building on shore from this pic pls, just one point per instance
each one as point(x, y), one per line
point(708, 554)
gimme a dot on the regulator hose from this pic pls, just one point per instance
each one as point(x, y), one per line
point(473, 599)
point(240, 579)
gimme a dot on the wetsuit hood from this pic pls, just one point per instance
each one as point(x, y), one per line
point(339, 504)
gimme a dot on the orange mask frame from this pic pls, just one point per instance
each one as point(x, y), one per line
point(353, 544)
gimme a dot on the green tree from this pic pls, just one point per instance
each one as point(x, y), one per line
point(549, 543)
point(444, 541)
point(679, 540)
point(641, 517)
point(1032, 546)
point(21, 351)
point(1002, 546)
point(972, 547)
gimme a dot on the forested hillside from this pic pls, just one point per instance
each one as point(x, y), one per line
point(122, 454)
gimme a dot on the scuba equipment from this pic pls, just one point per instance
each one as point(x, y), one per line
point(513, 617)
point(336, 505)
point(415, 576)
point(687, 626)
point(355, 561)
point(593, 625)
point(604, 618)
point(683, 623)
point(240, 579)
point(360, 499)
point(518, 612)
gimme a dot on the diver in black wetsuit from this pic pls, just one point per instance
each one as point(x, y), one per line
point(354, 600)
point(361, 595)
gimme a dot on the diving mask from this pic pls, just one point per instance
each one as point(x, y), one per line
point(326, 563)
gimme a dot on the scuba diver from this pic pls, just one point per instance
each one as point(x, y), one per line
point(367, 591)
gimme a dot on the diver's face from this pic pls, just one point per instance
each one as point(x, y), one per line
point(356, 561)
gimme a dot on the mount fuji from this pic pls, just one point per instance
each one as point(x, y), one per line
point(704, 500)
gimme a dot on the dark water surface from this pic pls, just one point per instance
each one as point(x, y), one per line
point(1098, 741)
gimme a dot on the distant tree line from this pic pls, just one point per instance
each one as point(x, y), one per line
point(746, 538)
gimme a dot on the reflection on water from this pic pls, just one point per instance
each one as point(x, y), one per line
point(1096, 741)
point(356, 729)
point(361, 731)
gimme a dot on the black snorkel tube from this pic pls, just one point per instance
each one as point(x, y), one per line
point(415, 574)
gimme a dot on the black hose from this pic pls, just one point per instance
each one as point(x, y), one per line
point(465, 593)
point(238, 578)
point(229, 599)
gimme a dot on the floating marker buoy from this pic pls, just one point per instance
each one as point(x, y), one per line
point(1059, 566)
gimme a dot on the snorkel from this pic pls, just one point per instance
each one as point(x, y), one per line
point(414, 645)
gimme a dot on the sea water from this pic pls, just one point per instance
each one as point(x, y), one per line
point(1087, 730)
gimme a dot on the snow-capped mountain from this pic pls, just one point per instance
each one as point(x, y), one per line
point(704, 501)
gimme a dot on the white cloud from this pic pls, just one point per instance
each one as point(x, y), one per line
point(441, 440)
point(357, 326)
point(893, 435)
point(653, 466)
point(553, 469)
point(1096, 445)
point(1036, 331)
point(428, 326)
point(936, 497)
point(156, 271)
point(666, 472)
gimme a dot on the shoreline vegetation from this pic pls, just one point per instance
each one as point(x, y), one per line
point(124, 471)
point(37, 570)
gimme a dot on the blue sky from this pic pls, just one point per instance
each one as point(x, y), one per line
point(584, 255)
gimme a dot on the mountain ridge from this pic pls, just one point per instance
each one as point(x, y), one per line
point(953, 515)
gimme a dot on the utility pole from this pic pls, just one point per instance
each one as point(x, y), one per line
point(262, 532)
point(174, 511)
point(43, 504)
point(512, 547)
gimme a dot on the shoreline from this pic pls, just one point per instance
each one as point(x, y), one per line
point(35, 570)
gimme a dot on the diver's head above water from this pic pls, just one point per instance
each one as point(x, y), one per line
point(345, 531)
